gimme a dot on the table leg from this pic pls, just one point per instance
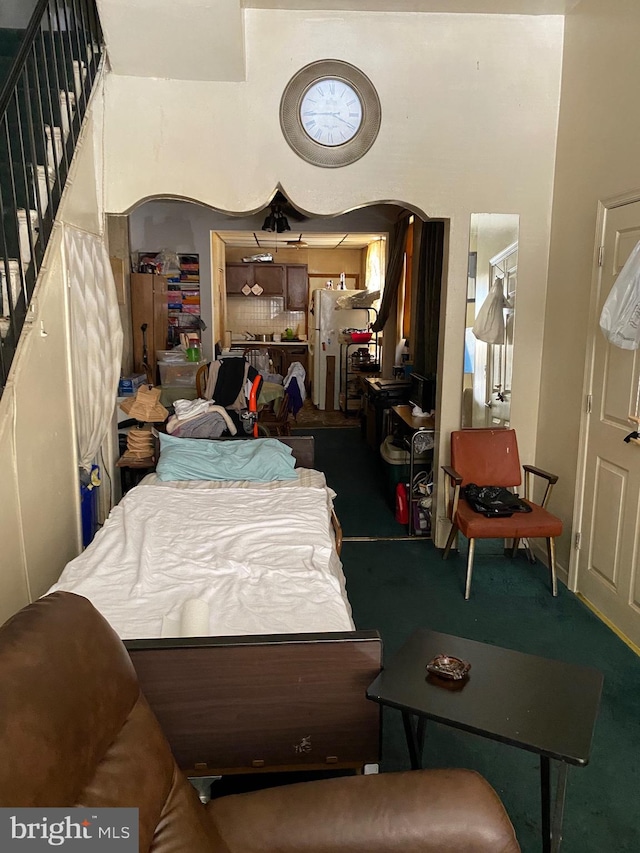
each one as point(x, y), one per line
point(545, 802)
point(415, 739)
point(558, 811)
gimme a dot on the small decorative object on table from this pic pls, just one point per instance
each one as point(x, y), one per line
point(446, 666)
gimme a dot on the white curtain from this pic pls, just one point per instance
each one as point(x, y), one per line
point(374, 266)
point(96, 339)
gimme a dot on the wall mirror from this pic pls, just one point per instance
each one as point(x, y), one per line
point(490, 319)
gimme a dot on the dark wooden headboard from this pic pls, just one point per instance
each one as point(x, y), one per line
point(302, 447)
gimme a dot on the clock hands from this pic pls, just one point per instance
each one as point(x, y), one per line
point(348, 123)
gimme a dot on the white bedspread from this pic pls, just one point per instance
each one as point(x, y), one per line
point(263, 558)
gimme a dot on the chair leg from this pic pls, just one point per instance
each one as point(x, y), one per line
point(452, 535)
point(551, 551)
point(514, 549)
point(530, 554)
point(472, 548)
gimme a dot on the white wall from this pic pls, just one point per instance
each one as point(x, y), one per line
point(39, 489)
point(469, 114)
point(598, 144)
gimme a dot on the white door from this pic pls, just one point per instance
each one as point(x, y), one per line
point(608, 557)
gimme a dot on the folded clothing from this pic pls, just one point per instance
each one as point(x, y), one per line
point(216, 418)
point(189, 408)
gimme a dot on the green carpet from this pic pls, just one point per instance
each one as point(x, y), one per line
point(363, 484)
point(396, 587)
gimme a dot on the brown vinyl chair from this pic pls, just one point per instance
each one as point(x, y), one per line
point(76, 730)
point(489, 457)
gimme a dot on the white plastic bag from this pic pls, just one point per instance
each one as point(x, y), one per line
point(489, 325)
point(620, 317)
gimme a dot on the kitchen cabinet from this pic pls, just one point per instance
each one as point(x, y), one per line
point(296, 297)
point(148, 307)
point(270, 277)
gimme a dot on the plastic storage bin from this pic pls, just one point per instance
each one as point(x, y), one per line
point(178, 373)
point(89, 484)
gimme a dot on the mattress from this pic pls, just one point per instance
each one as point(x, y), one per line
point(259, 557)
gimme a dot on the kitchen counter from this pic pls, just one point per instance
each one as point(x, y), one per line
point(269, 343)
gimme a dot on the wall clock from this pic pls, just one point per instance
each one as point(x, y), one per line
point(330, 113)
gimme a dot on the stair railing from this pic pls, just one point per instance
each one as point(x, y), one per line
point(42, 107)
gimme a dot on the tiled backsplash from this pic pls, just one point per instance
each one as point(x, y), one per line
point(262, 315)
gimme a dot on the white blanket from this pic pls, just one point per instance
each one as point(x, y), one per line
point(263, 559)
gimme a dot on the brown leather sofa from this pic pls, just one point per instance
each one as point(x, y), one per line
point(75, 730)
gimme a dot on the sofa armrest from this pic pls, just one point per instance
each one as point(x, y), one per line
point(425, 811)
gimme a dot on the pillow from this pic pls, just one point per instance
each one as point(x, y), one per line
point(259, 460)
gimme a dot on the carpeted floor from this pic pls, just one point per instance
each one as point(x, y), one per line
point(398, 586)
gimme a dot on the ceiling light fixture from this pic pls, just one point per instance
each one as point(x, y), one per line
point(276, 220)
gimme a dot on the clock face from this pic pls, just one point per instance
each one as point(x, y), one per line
point(331, 112)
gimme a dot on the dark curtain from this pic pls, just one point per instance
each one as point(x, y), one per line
point(393, 276)
point(426, 321)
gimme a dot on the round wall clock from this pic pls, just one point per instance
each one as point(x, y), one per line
point(330, 113)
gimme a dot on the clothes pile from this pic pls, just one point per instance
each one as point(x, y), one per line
point(199, 419)
point(294, 385)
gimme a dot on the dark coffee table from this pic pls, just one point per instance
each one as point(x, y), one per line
point(541, 705)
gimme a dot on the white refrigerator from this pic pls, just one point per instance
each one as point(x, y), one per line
point(327, 322)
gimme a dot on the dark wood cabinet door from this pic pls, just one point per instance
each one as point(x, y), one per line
point(297, 290)
point(237, 276)
point(148, 308)
point(270, 277)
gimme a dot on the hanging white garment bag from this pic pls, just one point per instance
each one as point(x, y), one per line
point(620, 317)
point(489, 325)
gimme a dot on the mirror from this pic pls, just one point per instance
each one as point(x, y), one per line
point(490, 319)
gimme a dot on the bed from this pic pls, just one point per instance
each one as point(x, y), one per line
point(231, 600)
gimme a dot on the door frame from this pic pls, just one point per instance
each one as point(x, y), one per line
point(604, 206)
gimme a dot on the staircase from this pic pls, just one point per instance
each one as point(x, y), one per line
point(47, 72)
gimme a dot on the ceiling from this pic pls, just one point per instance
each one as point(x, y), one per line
point(214, 32)
point(265, 240)
point(477, 7)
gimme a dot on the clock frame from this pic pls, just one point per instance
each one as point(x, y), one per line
point(329, 156)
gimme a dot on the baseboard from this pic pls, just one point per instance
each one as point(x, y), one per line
point(609, 624)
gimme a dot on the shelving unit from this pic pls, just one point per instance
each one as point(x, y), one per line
point(411, 429)
point(352, 369)
point(184, 299)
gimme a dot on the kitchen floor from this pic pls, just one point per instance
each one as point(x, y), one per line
point(309, 417)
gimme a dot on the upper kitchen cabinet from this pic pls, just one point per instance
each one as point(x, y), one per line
point(255, 279)
point(297, 288)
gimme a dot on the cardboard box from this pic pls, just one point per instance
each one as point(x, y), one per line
point(128, 385)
